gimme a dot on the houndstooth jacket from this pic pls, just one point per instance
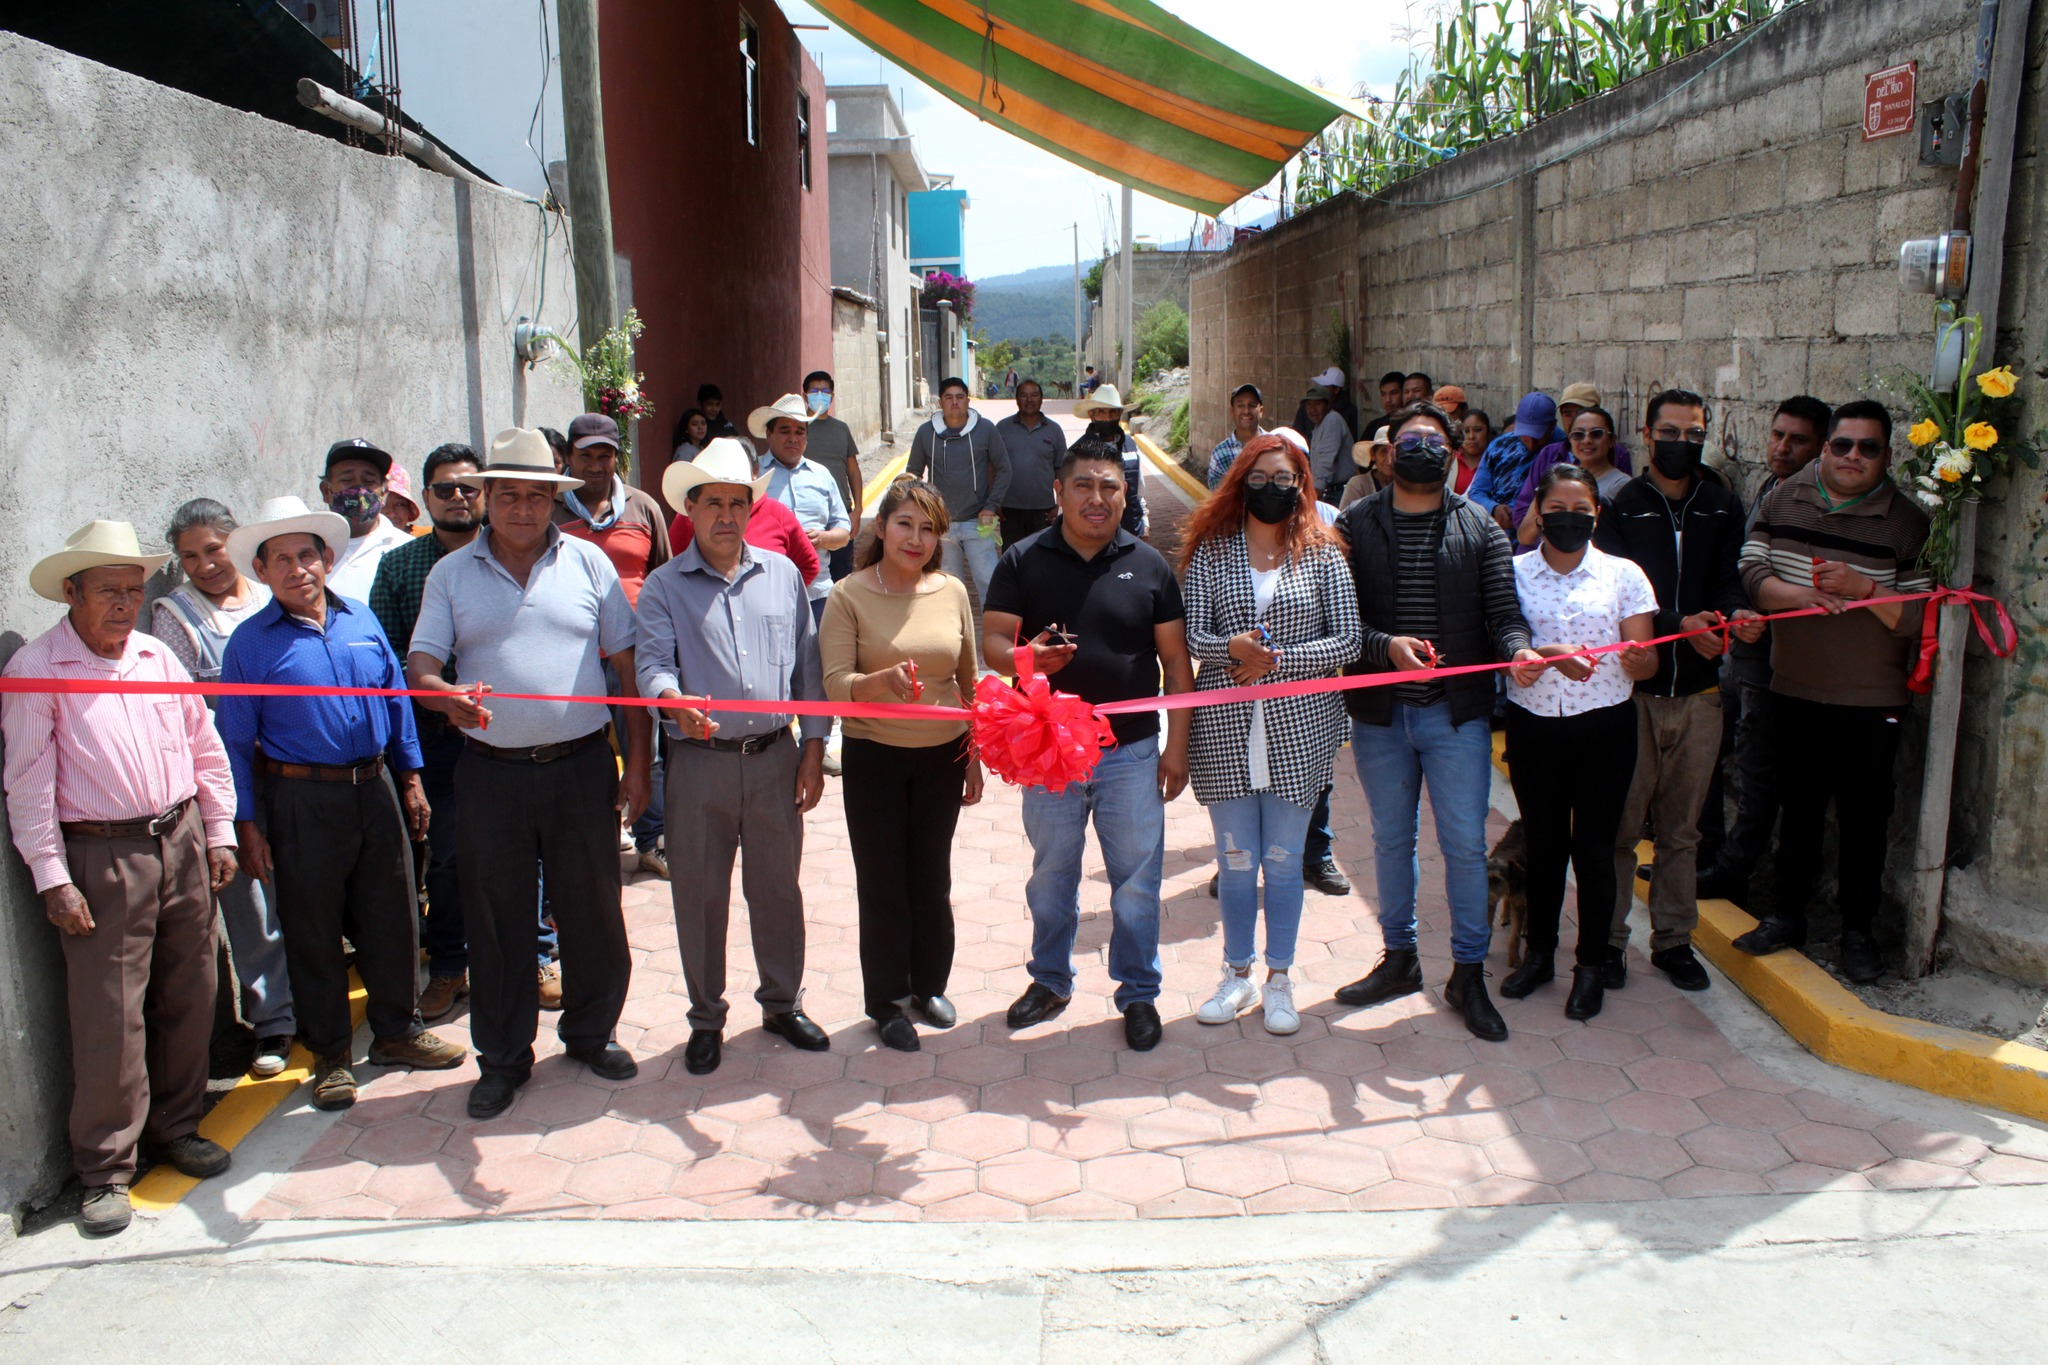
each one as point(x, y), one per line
point(1314, 623)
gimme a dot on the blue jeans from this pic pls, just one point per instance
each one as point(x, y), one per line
point(1130, 824)
point(966, 550)
point(1393, 761)
point(1262, 830)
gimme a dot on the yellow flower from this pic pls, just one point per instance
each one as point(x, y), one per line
point(1949, 473)
point(1980, 436)
point(1925, 432)
point(1998, 383)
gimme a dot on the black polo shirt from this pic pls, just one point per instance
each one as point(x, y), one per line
point(1110, 605)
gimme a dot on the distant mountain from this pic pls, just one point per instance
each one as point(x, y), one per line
point(1044, 274)
point(1030, 303)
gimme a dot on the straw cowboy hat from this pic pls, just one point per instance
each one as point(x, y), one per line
point(94, 545)
point(1105, 399)
point(723, 460)
point(519, 453)
point(285, 516)
point(790, 405)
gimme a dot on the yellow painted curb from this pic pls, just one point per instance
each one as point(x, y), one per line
point(1171, 468)
point(238, 1113)
point(878, 485)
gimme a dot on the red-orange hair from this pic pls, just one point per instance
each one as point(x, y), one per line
point(1223, 514)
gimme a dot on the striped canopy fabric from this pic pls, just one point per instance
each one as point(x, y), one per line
point(1120, 87)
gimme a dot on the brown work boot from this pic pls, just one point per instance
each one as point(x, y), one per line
point(334, 1084)
point(105, 1211)
point(422, 1052)
point(437, 1001)
point(551, 986)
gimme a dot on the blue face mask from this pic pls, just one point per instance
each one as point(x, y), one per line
point(819, 400)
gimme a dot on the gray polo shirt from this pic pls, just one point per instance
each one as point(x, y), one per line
point(747, 639)
point(550, 636)
point(1034, 459)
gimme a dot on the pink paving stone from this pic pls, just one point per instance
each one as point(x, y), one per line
point(655, 1101)
point(661, 1207)
point(1492, 1086)
point(1825, 1144)
point(1594, 1082)
point(1647, 1111)
point(1120, 1096)
point(1741, 1071)
point(516, 1184)
point(1340, 1167)
point(268, 1210)
point(1082, 1137)
point(1251, 1059)
point(1419, 1055)
point(933, 1099)
point(2003, 1168)
point(782, 1139)
point(1601, 1045)
point(1239, 1172)
point(1697, 1044)
point(1072, 1065)
point(794, 1069)
point(680, 1141)
point(880, 1134)
point(1481, 1127)
point(1403, 1194)
point(1605, 1187)
point(1134, 1177)
point(1827, 1109)
point(1433, 1161)
point(1921, 1144)
point(743, 1101)
point(1620, 1014)
point(1299, 1199)
point(1674, 1076)
point(1175, 1131)
point(1734, 1149)
point(331, 1143)
point(1544, 1160)
point(558, 1104)
point(976, 1208)
point(835, 1101)
point(1191, 1204)
point(598, 1137)
point(1082, 1206)
point(979, 1136)
point(1524, 1051)
point(824, 1178)
point(1340, 1056)
point(1222, 1095)
point(330, 1178)
point(1903, 1174)
point(1800, 1178)
point(1030, 1178)
point(884, 1067)
point(1168, 1062)
point(1646, 1156)
point(719, 1179)
point(1382, 1131)
point(350, 1206)
point(1497, 1190)
point(1028, 1097)
point(1703, 1181)
point(1751, 1109)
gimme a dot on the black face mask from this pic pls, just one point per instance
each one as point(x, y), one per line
point(1111, 432)
point(1568, 532)
point(1421, 465)
point(1272, 504)
point(1676, 459)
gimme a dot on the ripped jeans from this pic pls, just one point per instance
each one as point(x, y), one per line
point(1262, 831)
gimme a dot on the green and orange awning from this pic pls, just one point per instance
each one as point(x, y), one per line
point(1119, 87)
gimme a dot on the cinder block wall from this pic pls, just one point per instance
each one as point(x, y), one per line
point(197, 301)
point(856, 370)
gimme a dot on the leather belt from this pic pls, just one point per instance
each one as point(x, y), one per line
point(539, 753)
point(355, 774)
point(148, 827)
point(752, 744)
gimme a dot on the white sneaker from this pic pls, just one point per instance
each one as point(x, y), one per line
point(1234, 995)
point(1280, 1013)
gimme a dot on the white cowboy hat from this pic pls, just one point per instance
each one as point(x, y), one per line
point(790, 405)
point(94, 545)
point(723, 460)
point(520, 453)
point(1104, 399)
point(285, 516)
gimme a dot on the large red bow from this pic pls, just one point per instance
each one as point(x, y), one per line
point(1032, 736)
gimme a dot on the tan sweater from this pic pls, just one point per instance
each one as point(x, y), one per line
point(866, 630)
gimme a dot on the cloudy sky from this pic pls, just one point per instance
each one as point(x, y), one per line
point(1023, 200)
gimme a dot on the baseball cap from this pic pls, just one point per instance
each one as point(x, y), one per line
point(1581, 393)
point(1252, 389)
point(1448, 396)
point(1316, 391)
point(356, 448)
point(593, 429)
point(1535, 416)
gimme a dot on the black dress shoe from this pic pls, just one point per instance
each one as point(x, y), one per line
point(1614, 971)
point(937, 1010)
point(1035, 1006)
point(702, 1052)
point(1770, 936)
point(1587, 994)
point(1142, 1029)
point(611, 1061)
point(1398, 973)
point(1466, 993)
point(1858, 957)
point(796, 1026)
point(1537, 969)
point(899, 1033)
point(493, 1095)
point(1327, 878)
point(1682, 967)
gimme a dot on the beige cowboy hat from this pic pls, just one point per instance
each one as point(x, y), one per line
point(94, 545)
point(1361, 451)
point(285, 516)
point(520, 453)
point(1104, 399)
point(790, 405)
point(723, 460)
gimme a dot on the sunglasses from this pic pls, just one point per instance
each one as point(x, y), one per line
point(1415, 443)
point(449, 490)
point(1578, 436)
point(1869, 447)
point(1697, 435)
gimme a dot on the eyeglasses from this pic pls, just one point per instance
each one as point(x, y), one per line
point(449, 490)
point(1869, 447)
point(1697, 435)
point(1591, 435)
point(1258, 481)
point(1414, 443)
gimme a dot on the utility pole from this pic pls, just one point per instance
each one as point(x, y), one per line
point(1128, 364)
point(1077, 307)
point(590, 201)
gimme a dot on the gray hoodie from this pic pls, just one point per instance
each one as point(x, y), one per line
point(970, 467)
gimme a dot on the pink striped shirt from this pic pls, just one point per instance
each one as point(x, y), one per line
point(105, 756)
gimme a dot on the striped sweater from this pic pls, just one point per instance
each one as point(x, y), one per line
point(1852, 659)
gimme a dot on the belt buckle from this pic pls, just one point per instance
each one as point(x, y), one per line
point(363, 772)
point(163, 824)
point(548, 753)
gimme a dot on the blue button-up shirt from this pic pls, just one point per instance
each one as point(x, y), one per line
point(749, 638)
point(274, 646)
point(811, 492)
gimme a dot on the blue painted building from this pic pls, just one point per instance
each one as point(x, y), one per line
point(938, 229)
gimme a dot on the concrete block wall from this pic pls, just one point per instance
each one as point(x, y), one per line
point(198, 301)
point(856, 370)
point(1158, 275)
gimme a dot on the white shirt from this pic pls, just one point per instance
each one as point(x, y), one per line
point(355, 568)
point(1583, 607)
point(1264, 583)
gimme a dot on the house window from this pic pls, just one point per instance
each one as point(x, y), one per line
point(803, 138)
point(750, 59)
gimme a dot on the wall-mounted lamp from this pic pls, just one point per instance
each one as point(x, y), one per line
point(533, 342)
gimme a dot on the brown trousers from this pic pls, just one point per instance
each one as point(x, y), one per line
point(141, 993)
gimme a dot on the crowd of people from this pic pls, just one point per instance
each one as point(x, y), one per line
point(301, 818)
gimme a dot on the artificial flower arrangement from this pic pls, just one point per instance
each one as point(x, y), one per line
point(610, 383)
point(1960, 441)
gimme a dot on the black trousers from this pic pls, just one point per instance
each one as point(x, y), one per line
point(343, 866)
point(561, 817)
point(901, 809)
point(1019, 522)
point(1571, 776)
point(1843, 754)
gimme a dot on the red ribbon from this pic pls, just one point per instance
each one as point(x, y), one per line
point(2002, 647)
point(1032, 736)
